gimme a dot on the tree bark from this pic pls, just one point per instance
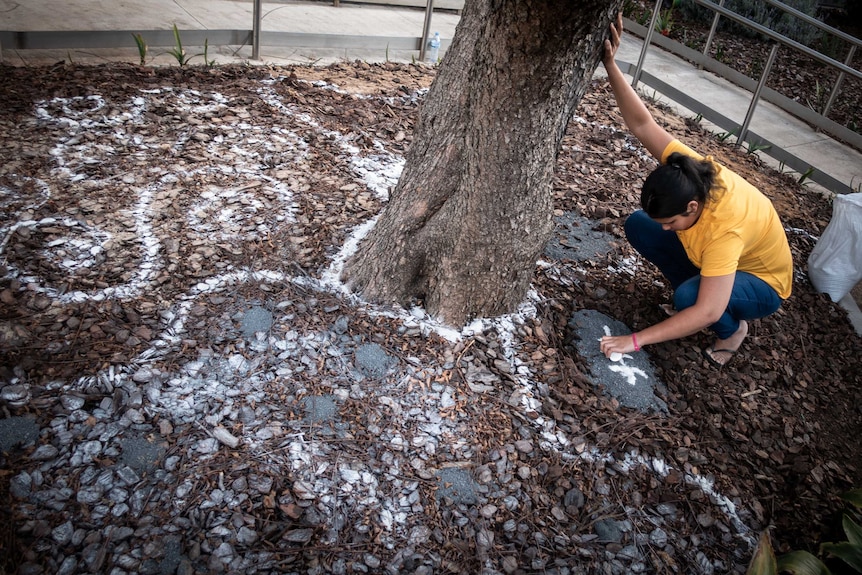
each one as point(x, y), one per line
point(472, 211)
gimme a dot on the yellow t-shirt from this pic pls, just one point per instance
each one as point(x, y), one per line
point(738, 229)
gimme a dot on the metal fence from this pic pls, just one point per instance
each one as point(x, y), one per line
point(757, 87)
point(817, 118)
point(253, 36)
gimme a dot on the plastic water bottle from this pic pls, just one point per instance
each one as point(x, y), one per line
point(433, 48)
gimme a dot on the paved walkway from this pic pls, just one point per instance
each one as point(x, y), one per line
point(841, 162)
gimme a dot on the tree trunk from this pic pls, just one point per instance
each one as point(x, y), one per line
point(472, 211)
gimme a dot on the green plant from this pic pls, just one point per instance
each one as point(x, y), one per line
point(142, 48)
point(756, 67)
point(209, 63)
point(630, 7)
point(758, 11)
point(664, 23)
point(654, 97)
point(850, 551)
point(819, 98)
point(178, 52)
point(807, 174)
point(831, 45)
point(753, 147)
point(723, 136)
point(764, 561)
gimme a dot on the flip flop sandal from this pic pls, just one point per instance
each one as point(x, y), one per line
point(709, 352)
point(668, 309)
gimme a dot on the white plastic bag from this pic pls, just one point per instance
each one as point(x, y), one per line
point(835, 263)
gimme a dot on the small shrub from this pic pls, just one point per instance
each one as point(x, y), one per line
point(664, 22)
point(142, 48)
point(178, 51)
point(764, 562)
point(758, 11)
point(831, 46)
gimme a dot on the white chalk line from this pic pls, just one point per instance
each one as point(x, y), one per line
point(378, 172)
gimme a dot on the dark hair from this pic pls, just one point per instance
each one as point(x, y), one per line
point(670, 187)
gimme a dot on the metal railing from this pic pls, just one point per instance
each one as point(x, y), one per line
point(843, 67)
point(758, 89)
point(852, 40)
point(254, 37)
point(779, 39)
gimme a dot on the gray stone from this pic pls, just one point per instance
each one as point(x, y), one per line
point(574, 498)
point(90, 495)
point(72, 402)
point(373, 361)
point(255, 320)
point(44, 453)
point(456, 484)
point(68, 566)
point(658, 537)
point(246, 536)
point(576, 239)
point(299, 535)
point(140, 454)
point(608, 531)
point(15, 394)
point(20, 485)
point(320, 408)
point(172, 557)
point(17, 431)
point(630, 552)
point(632, 380)
point(341, 325)
point(62, 533)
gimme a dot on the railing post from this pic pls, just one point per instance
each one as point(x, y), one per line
point(769, 61)
point(712, 30)
point(255, 32)
point(838, 82)
point(426, 29)
point(637, 75)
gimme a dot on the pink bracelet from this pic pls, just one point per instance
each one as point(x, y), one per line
point(635, 341)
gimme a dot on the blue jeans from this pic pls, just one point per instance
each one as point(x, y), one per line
point(751, 298)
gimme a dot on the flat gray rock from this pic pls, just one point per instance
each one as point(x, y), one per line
point(141, 454)
point(257, 319)
point(17, 431)
point(456, 484)
point(632, 380)
point(320, 408)
point(373, 361)
point(575, 239)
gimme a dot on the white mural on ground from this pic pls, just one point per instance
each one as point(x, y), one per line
point(629, 372)
point(221, 213)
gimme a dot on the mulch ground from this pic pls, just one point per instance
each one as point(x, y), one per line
point(778, 428)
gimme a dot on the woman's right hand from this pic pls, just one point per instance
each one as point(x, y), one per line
point(612, 44)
